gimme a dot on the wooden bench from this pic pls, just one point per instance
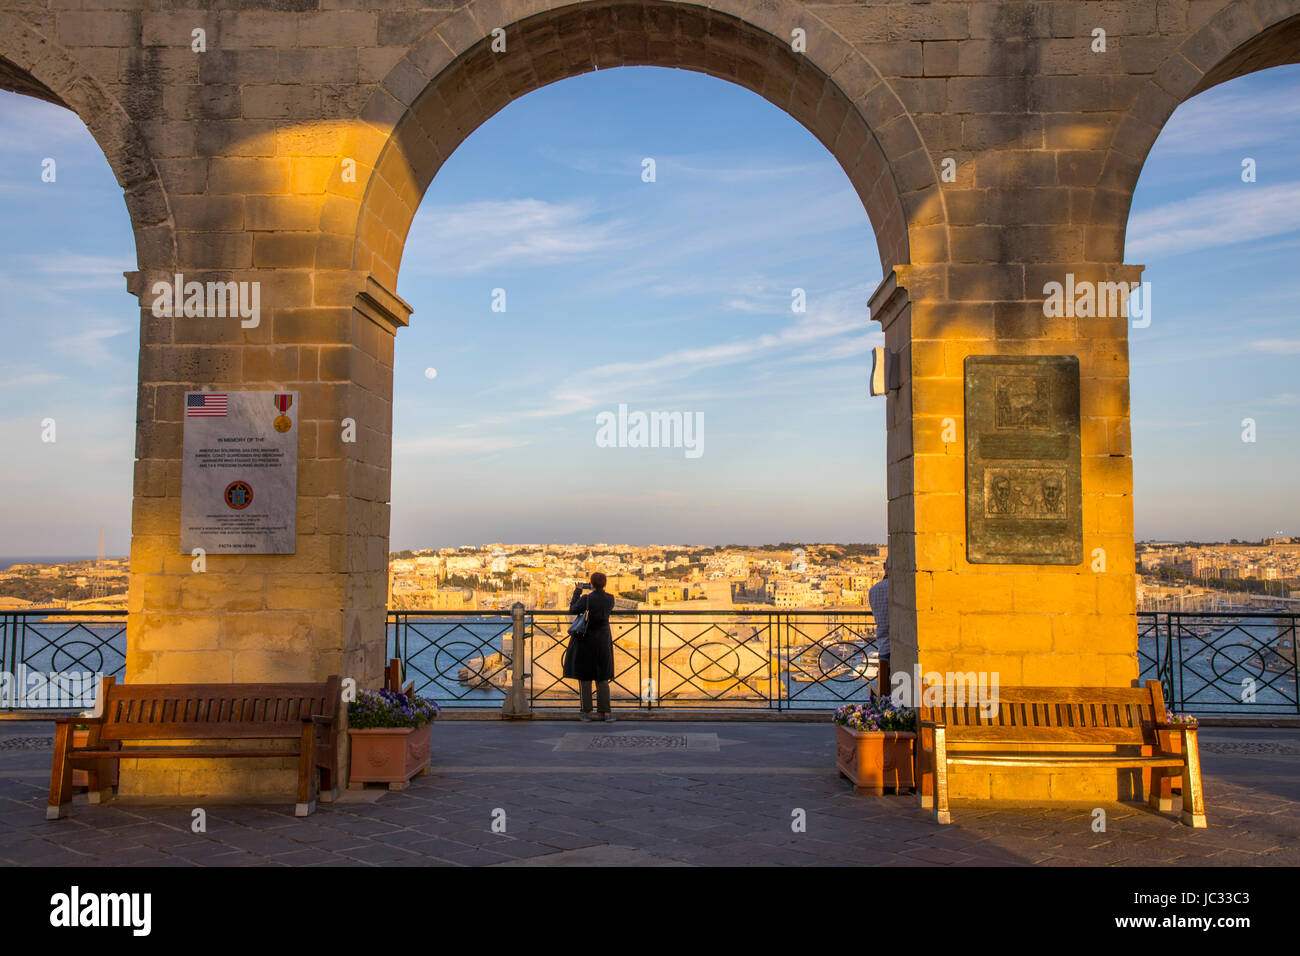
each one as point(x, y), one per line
point(1104, 720)
point(306, 714)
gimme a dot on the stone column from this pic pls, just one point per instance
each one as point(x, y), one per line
point(257, 618)
point(1030, 624)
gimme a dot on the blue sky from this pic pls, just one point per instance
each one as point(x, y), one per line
point(673, 295)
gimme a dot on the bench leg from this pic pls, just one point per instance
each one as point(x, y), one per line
point(941, 814)
point(329, 787)
point(307, 779)
point(100, 782)
point(1193, 796)
point(924, 773)
point(60, 772)
point(1160, 787)
point(1160, 793)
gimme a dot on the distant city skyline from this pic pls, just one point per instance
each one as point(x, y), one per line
point(673, 295)
point(6, 560)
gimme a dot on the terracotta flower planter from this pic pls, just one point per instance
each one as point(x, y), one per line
point(875, 760)
point(391, 755)
point(81, 738)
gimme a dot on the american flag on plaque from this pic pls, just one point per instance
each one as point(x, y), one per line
point(206, 405)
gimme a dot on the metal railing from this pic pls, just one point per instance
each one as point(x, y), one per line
point(1211, 663)
point(1231, 663)
point(52, 660)
point(779, 660)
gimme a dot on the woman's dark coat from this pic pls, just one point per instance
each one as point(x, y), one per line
point(591, 657)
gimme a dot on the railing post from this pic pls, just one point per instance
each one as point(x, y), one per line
point(11, 701)
point(516, 702)
point(652, 662)
point(776, 677)
point(17, 677)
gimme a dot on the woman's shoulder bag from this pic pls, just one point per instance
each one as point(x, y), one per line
point(578, 628)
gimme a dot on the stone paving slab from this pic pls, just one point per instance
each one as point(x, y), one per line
point(653, 803)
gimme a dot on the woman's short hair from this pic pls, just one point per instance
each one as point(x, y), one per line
point(598, 580)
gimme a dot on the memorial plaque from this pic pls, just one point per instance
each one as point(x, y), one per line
point(239, 476)
point(1024, 490)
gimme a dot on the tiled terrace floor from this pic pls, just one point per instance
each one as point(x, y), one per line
point(699, 794)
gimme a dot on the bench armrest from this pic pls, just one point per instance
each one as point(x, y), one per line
point(77, 720)
point(932, 723)
point(1159, 726)
point(318, 719)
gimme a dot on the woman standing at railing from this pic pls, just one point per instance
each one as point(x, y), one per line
point(590, 656)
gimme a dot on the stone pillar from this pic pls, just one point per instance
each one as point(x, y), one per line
point(255, 618)
point(1029, 624)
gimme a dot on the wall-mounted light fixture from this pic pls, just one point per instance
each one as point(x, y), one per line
point(884, 371)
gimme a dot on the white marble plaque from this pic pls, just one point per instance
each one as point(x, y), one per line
point(239, 476)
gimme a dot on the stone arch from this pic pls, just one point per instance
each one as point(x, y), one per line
point(451, 82)
point(32, 65)
point(1244, 37)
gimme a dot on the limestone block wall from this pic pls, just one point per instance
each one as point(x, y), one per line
point(994, 147)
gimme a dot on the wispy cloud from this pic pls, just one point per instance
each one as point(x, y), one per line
point(34, 124)
point(458, 445)
point(737, 226)
point(1277, 346)
point(1282, 400)
point(834, 325)
point(1227, 118)
point(730, 166)
point(88, 346)
point(30, 379)
point(78, 271)
point(473, 238)
point(1214, 218)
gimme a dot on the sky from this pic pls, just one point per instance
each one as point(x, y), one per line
point(673, 295)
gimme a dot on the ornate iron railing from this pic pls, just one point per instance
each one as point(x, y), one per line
point(52, 660)
point(548, 636)
point(463, 657)
point(777, 660)
point(1224, 662)
point(1230, 663)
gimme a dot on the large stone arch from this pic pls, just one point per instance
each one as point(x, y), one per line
point(33, 65)
point(451, 82)
point(296, 150)
point(1244, 37)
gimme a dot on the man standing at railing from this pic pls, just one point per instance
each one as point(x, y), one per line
point(878, 597)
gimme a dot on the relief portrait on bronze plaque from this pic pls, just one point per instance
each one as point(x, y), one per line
point(1023, 401)
point(1017, 492)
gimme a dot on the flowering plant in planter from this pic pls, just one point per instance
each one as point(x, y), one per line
point(388, 708)
point(877, 714)
point(874, 745)
point(1184, 720)
point(390, 735)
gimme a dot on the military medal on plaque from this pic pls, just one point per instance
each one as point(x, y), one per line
point(282, 402)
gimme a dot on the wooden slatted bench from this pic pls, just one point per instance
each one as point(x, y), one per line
point(307, 714)
point(1105, 720)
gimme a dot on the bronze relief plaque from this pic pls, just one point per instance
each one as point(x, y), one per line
point(1024, 486)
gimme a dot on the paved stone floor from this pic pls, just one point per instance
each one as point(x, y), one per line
point(652, 793)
